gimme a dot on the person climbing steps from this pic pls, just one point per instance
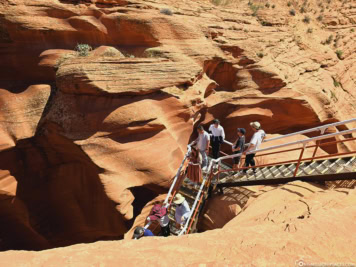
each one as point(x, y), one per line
point(254, 144)
point(182, 210)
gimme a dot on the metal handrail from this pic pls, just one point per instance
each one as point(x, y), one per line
point(217, 161)
point(194, 206)
point(305, 141)
point(319, 128)
point(166, 204)
point(189, 149)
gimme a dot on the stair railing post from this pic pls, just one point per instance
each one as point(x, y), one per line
point(176, 177)
point(205, 180)
point(322, 131)
point(299, 160)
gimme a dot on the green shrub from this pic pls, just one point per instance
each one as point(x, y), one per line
point(292, 12)
point(273, 6)
point(83, 50)
point(289, 3)
point(310, 30)
point(329, 40)
point(267, 5)
point(302, 9)
point(169, 12)
point(339, 54)
point(260, 55)
point(320, 18)
point(333, 96)
point(336, 83)
point(306, 19)
point(352, 30)
point(254, 10)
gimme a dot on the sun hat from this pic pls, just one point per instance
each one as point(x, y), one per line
point(157, 212)
point(241, 130)
point(255, 125)
point(139, 231)
point(178, 199)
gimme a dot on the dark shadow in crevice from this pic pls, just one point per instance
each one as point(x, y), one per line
point(143, 194)
point(61, 193)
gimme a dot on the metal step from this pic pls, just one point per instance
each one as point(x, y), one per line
point(333, 168)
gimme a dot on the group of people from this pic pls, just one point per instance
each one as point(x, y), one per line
point(200, 148)
point(198, 162)
point(159, 213)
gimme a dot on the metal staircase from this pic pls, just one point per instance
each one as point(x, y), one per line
point(310, 171)
point(331, 167)
point(190, 193)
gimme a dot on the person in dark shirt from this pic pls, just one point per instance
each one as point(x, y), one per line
point(238, 146)
point(140, 232)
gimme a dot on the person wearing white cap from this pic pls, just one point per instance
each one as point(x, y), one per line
point(255, 143)
point(182, 210)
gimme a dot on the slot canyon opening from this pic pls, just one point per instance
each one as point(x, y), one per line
point(55, 197)
point(225, 74)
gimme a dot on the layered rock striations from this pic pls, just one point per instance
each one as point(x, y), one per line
point(89, 137)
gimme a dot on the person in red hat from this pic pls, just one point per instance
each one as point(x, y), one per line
point(159, 213)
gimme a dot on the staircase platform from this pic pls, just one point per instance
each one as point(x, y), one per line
point(310, 171)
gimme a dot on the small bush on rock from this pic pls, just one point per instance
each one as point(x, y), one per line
point(306, 19)
point(292, 12)
point(339, 54)
point(83, 49)
point(166, 11)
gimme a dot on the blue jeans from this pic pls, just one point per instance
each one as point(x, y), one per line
point(204, 157)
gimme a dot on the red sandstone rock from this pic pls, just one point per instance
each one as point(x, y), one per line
point(110, 135)
point(280, 227)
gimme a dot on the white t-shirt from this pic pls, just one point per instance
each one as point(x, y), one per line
point(203, 140)
point(217, 131)
point(182, 210)
point(257, 138)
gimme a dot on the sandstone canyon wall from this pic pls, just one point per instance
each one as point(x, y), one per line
point(87, 141)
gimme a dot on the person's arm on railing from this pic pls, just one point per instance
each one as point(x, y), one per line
point(222, 134)
point(250, 147)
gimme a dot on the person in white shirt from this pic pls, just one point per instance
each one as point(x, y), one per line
point(255, 143)
point(203, 142)
point(182, 210)
point(218, 136)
